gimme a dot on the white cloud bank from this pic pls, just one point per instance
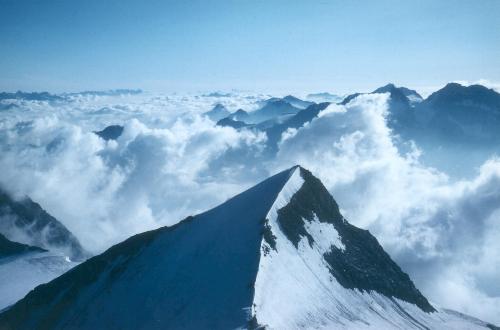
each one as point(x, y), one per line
point(170, 163)
point(442, 232)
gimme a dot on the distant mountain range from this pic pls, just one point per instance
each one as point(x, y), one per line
point(279, 256)
point(457, 126)
point(41, 96)
point(455, 113)
point(45, 96)
point(110, 92)
point(324, 97)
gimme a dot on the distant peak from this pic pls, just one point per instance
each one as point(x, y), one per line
point(219, 106)
point(453, 85)
point(400, 93)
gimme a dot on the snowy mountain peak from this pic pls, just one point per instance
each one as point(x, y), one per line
point(279, 255)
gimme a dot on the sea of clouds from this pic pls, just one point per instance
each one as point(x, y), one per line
point(171, 162)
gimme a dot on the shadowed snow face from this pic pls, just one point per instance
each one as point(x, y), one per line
point(170, 162)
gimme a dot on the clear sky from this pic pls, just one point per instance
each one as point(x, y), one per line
point(266, 45)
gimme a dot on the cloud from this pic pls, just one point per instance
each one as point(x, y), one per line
point(156, 173)
point(432, 225)
point(170, 163)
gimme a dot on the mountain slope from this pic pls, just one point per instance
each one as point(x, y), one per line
point(217, 113)
point(9, 248)
point(275, 132)
point(34, 96)
point(26, 222)
point(21, 272)
point(464, 114)
point(272, 109)
point(296, 102)
point(111, 132)
point(279, 255)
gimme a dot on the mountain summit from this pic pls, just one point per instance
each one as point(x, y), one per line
point(279, 255)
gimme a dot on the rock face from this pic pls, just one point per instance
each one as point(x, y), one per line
point(463, 114)
point(239, 115)
point(271, 110)
point(279, 255)
point(217, 113)
point(296, 102)
point(9, 248)
point(111, 132)
point(228, 122)
point(26, 222)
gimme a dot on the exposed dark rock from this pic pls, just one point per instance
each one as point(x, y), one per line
point(111, 132)
point(228, 122)
point(364, 264)
point(40, 228)
point(9, 248)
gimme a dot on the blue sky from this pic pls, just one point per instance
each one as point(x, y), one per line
point(274, 46)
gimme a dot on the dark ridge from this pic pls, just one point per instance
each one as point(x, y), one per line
point(239, 115)
point(278, 107)
point(254, 325)
point(454, 93)
point(349, 98)
point(217, 94)
point(275, 132)
point(363, 265)
point(52, 305)
point(34, 96)
point(272, 109)
point(78, 277)
point(111, 132)
point(111, 92)
point(218, 112)
point(397, 95)
point(312, 198)
point(44, 230)
point(228, 122)
point(295, 101)
point(9, 248)
point(268, 236)
point(391, 88)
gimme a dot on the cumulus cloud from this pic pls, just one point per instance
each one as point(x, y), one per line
point(155, 174)
point(170, 162)
point(439, 230)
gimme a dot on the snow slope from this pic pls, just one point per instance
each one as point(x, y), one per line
point(20, 273)
point(278, 255)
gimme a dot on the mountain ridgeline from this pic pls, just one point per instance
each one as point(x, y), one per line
point(9, 248)
point(454, 114)
point(24, 221)
point(279, 255)
point(456, 127)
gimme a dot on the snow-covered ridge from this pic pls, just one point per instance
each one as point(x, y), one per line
point(259, 259)
point(295, 287)
point(293, 184)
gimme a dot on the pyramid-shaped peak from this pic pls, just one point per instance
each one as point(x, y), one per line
point(278, 255)
point(197, 272)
